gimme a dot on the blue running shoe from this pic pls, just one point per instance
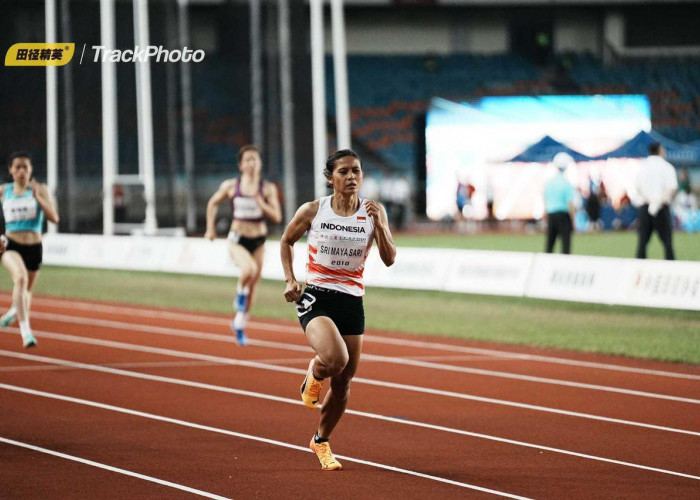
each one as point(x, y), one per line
point(241, 302)
point(241, 338)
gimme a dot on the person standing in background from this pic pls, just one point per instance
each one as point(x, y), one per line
point(253, 199)
point(656, 184)
point(560, 206)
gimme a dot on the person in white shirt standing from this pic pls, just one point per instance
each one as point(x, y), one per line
point(657, 185)
point(342, 228)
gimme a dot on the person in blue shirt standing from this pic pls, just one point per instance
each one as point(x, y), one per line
point(560, 205)
point(25, 203)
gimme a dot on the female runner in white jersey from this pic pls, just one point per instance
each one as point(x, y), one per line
point(253, 200)
point(25, 203)
point(341, 229)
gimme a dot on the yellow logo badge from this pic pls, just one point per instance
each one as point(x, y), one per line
point(39, 54)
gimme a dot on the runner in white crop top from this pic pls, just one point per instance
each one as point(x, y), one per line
point(253, 200)
point(341, 229)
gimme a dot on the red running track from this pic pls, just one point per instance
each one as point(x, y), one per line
point(119, 400)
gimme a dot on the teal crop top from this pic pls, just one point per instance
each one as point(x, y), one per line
point(22, 213)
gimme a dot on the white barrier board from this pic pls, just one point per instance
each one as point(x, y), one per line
point(658, 283)
point(493, 273)
point(577, 278)
point(650, 283)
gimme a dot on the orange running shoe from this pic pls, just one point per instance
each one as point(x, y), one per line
point(311, 388)
point(325, 456)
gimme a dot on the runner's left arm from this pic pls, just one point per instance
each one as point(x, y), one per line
point(382, 233)
point(43, 198)
point(269, 203)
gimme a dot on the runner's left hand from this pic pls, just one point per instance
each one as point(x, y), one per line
point(373, 210)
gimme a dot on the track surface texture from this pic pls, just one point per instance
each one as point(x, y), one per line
point(121, 401)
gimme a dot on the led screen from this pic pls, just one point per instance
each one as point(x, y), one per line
point(496, 151)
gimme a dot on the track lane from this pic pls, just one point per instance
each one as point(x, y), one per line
point(433, 411)
point(625, 407)
point(468, 461)
point(488, 364)
point(194, 320)
point(246, 376)
point(201, 453)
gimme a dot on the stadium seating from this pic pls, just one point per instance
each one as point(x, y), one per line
point(387, 93)
point(672, 84)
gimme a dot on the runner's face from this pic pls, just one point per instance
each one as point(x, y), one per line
point(21, 170)
point(251, 163)
point(347, 175)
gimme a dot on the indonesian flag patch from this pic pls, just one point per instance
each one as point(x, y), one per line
point(361, 219)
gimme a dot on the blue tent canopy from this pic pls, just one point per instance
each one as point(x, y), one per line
point(544, 150)
point(638, 147)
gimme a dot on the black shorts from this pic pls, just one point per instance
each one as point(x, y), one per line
point(250, 244)
point(31, 254)
point(345, 310)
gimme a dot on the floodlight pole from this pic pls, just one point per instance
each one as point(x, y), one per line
point(342, 102)
point(256, 85)
point(290, 186)
point(187, 126)
point(69, 123)
point(319, 97)
point(145, 116)
point(109, 117)
point(51, 109)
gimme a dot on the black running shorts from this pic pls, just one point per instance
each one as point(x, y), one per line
point(345, 310)
point(250, 244)
point(31, 254)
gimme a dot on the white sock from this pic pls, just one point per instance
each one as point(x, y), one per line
point(12, 311)
point(245, 290)
point(25, 329)
point(240, 320)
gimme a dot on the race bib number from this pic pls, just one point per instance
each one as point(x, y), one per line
point(344, 257)
point(305, 304)
point(18, 209)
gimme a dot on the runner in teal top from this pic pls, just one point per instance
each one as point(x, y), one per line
point(25, 203)
point(22, 212)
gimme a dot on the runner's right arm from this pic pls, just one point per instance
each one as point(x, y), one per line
point(300, 223)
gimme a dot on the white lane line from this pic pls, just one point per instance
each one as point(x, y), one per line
point(386, 359)
point(241, 435)
point(455, 357)
point(154, 364)
point(109, 467)
point(375, 416)
point(208, 319)
point(360, 380)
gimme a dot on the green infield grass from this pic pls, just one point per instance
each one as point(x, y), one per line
point(660, 334)
point(603, 244)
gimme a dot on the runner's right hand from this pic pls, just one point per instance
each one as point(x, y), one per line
point(292, 291)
